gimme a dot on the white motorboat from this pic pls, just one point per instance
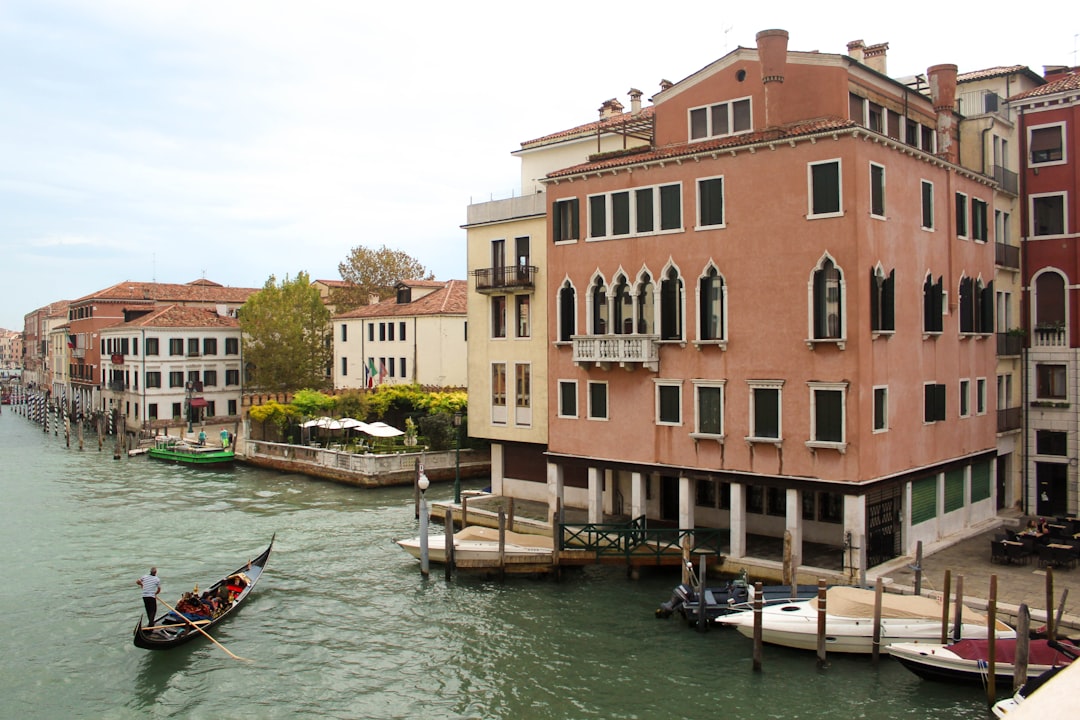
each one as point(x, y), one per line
point(849, 621)
point(482, 543)
point(967, 660)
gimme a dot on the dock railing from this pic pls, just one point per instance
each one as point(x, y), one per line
point(635, 539)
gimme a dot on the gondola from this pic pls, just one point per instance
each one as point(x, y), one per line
point(169, 630)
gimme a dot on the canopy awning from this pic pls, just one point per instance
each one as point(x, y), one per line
point(199, 402)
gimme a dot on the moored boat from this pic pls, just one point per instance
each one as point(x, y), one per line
point(220, 601)
point(736, 595)
point(181, 451)
point(482, 543)
point(967, 660)
point(849, 621)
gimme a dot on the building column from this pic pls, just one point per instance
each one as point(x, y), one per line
point(609, 495)
point(637, 495)
point(795, 527)
point(555, 491)
point(738, 520)
point(855, 534)
point(596, 495)
point(686, 502)
point(497, 473)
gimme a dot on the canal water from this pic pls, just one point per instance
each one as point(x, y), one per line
point(342, 625)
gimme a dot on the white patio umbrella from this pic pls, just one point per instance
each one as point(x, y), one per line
point(318, 422)
point(381, 429)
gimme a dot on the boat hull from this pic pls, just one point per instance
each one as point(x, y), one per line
point(193, 456)
point(948, 663)
point(482, 544)
point(180, 633)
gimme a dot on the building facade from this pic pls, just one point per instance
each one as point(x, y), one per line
point(778, 317)
point(418, 336)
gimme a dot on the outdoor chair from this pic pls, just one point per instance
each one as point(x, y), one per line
point(1045, 556)
point(1063, 557)
point(1018, 554)
point(997, 552)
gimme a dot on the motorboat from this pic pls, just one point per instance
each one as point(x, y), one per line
point(1043, 697)
point(476, 542)
point(967, 660)
point(734, 596)
point(849, 621)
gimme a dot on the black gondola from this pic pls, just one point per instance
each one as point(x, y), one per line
point(170, 630)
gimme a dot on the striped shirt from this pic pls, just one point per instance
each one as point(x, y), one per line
point(150, 585)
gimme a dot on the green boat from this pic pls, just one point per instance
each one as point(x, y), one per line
point(181, 451)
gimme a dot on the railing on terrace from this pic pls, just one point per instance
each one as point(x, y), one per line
point(636, 539)
point(622, 349)
point(1009, 418)
point(1049, 337)
point(1009, 343)
point(1007, 256)
point(507, 276)
point(1007, 180)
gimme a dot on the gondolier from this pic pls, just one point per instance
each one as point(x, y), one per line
point(151, 586)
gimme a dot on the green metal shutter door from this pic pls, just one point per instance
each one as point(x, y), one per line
point(980, 481)
point(924, 500)
point(954, 490)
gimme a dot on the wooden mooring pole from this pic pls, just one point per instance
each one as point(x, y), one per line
point(958, 615)
point(821, 629)
point(875, 651)
point(1023, 632)
point(449, 563)
point(991, 645)
point(502, 545)
point(1051, 628)
point(945, 607)
point(918, 568)
point(758, 593)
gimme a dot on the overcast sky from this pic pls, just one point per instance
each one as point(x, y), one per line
point(234, 140)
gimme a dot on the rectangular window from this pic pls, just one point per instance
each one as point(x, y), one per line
point(980, 481)
point(344, 332)
point(401, 366)
point(980, 216)
point(232, 346)
point(151, 411)
point(498, 316)
point(522, 385)
point(877, 190)
point(209, 346)
point(961, 215)
point(598, 216)
point(927, 205)
point(151, 346)
point(232, 377)
point(176, 346)
point(176, 410)
point(670, 207)
point(644, 210)
point(765, 411)
point(980, 396)
point(1050, 381)
point(711, 202)
point(176, 379)
point(232, 407)
point(598, 401)
point(153, 379)
point(954, 490)
point(522, 314)
point(568, 398)
point(824, 180)
point(729, 118)
point(565, 221)
point(1046, 144)
point(933, 402)
point(620, 213)
point(710, 409)
point(881, 409)
point(344, 365)
point(827, 401)
point(498, 384)
point(209, 378)
point(923, 499)
point(390, 331)
point(668, 403)
point(965, 398)
point(193, 347)
point(382, 332)
point(1051, 442)
point(1048, 214)
point(371, 332)
point(401, 331)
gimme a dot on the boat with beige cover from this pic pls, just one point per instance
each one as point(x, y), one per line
point(482, 543)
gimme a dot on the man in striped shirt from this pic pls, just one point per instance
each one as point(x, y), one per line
point(151, 586)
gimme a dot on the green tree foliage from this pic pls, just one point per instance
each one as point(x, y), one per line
point(274, 413)
point(285, 335)
point(374, 272)
point(353, 403)
point(439, 430)
point(312, 402)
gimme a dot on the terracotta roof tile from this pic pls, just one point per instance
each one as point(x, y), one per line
point(610, 123)
point(795, 130)
point(1066, 84)
point(181, 316)
point(987, 73)
point(203, 291)
point(449, 299)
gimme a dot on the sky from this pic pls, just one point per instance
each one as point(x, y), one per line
point(236, 140)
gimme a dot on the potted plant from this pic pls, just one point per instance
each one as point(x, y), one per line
point(410, 432)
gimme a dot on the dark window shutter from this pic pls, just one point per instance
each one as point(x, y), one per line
point(888, 294)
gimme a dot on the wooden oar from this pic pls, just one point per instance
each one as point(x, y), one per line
point(162, 627)
point(192, 624)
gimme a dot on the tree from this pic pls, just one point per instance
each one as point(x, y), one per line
point(374, 272)
point(286, 341)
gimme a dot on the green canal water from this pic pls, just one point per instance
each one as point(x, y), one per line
point(342, 625)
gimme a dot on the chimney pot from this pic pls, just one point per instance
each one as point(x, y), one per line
point(372, 299)
point(772, 54)
point(942, 80)
point(635, 101)
point(665, 85)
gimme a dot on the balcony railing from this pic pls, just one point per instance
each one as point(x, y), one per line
point(627, 351)
point(1044, 337)
point(1009, 418)
point(1007, 180)
point(1009, 344)
point(506, 277)
point(1007, 256)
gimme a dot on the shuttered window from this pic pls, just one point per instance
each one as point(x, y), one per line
point(954, 490)
point(980, 481)
point(924, 500)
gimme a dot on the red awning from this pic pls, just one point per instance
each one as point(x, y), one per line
point(198, 402)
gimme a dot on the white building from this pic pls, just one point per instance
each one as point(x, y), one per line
point(417, 337)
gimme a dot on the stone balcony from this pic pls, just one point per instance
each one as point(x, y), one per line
point(626, 351)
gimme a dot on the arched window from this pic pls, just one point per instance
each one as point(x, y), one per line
point(671, 320)
point(646, 304)
point(599, 307)
point(828, 301)
point(933, 304)
point(711, 293)
point(567, 312)
point(1049, 300)
point(882, 300)
point(622, 322)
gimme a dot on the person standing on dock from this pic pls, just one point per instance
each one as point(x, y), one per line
point(151, 587)
point(224, 438)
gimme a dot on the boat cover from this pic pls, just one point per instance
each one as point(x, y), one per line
point(1039, 652)
point(859, 603)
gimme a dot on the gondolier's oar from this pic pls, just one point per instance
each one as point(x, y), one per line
point(189, 622)
point(163, 627)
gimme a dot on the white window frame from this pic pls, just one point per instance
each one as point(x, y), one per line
point(710, 384)
point(523, 411)
point(986, 219)
point(884, 212)
point(657, 213)
point(709, 133)
point(1064, 144)
point(517, 316)
point(842, 388)
point(873, 414)
point(811, 341)
point(933, 206)
point(777, 385)
point(810, 215)
point(964, 399)
point(657, 385)
point(554, 203)
point(722, 341)
point(980, 396)
point(967, 215)
point(577, 399)
point(499, 413)
point(723, 203)
point(1064, 195)
point(607, 401)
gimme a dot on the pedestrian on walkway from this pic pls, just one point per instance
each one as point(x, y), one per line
point(151, 587)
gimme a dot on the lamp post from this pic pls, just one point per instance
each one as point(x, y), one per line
point(457, 458)
point(189, 387)
point(422, 483)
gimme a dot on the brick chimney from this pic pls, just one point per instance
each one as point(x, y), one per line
point(943, 94)
point(772, 52)
point(610, 108)
point(855, 50)
point(373, 299)
point(635, 101)
point(874, 57)
point(666, 85)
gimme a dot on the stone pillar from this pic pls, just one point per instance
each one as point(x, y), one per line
point(795, 527)
point(596, 495)
point(497, 475)
point(738, 520)
point(637, 494)
point(686, 502)
point(555, 490)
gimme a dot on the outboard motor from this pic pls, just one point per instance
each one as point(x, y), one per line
point(681, 595)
